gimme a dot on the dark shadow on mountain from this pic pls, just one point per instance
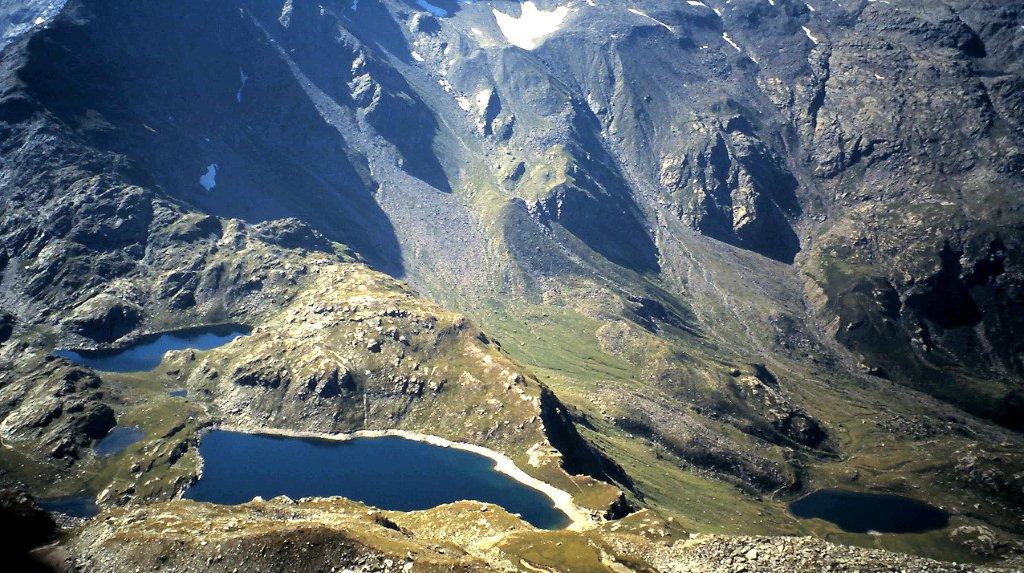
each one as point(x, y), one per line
point(163, 85)
point(605, 216)
point(26, 527)
point(593, 201)
point(345, 54)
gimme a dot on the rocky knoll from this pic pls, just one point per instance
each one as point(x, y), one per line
point(58, 409)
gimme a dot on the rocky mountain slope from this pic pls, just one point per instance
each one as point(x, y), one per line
point(720, 253)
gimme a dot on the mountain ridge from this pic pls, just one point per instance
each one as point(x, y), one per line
point(754, 248)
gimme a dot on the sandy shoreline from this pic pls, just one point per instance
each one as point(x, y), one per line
point(579, 518)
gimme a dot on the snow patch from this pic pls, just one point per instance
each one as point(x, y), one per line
point(209, 179)
point(810, 36)
point(483, 97)
point(645, 15)
point(532, 26)
point(416, 56)
point(244, 78)
point(696, 3)
point(286, 13)
point(725, 36)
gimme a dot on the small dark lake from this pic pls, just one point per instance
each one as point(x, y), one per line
point(147, 354)
point(73, 505)
point(389, 473)
point(118, 440)
point(858, 512)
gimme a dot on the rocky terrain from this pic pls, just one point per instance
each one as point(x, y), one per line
point(279, 534)
point(688, 258)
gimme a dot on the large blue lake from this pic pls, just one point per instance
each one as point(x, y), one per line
point(388, 473)
point(147, 354)
point(858, 512)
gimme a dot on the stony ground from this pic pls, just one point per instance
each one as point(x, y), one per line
point(339, 535)
point(721, 554)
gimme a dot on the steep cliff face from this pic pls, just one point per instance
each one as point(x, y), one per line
point(735, 189)
point(767, 244)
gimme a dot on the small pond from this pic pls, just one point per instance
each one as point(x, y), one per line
point(118, 440)
point(146, 354)
point(389, 472)
point(73, 505)
point(858, 512)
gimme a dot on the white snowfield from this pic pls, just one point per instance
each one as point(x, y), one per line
point(533, 25)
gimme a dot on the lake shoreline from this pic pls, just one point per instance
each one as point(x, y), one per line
point(579, 518)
